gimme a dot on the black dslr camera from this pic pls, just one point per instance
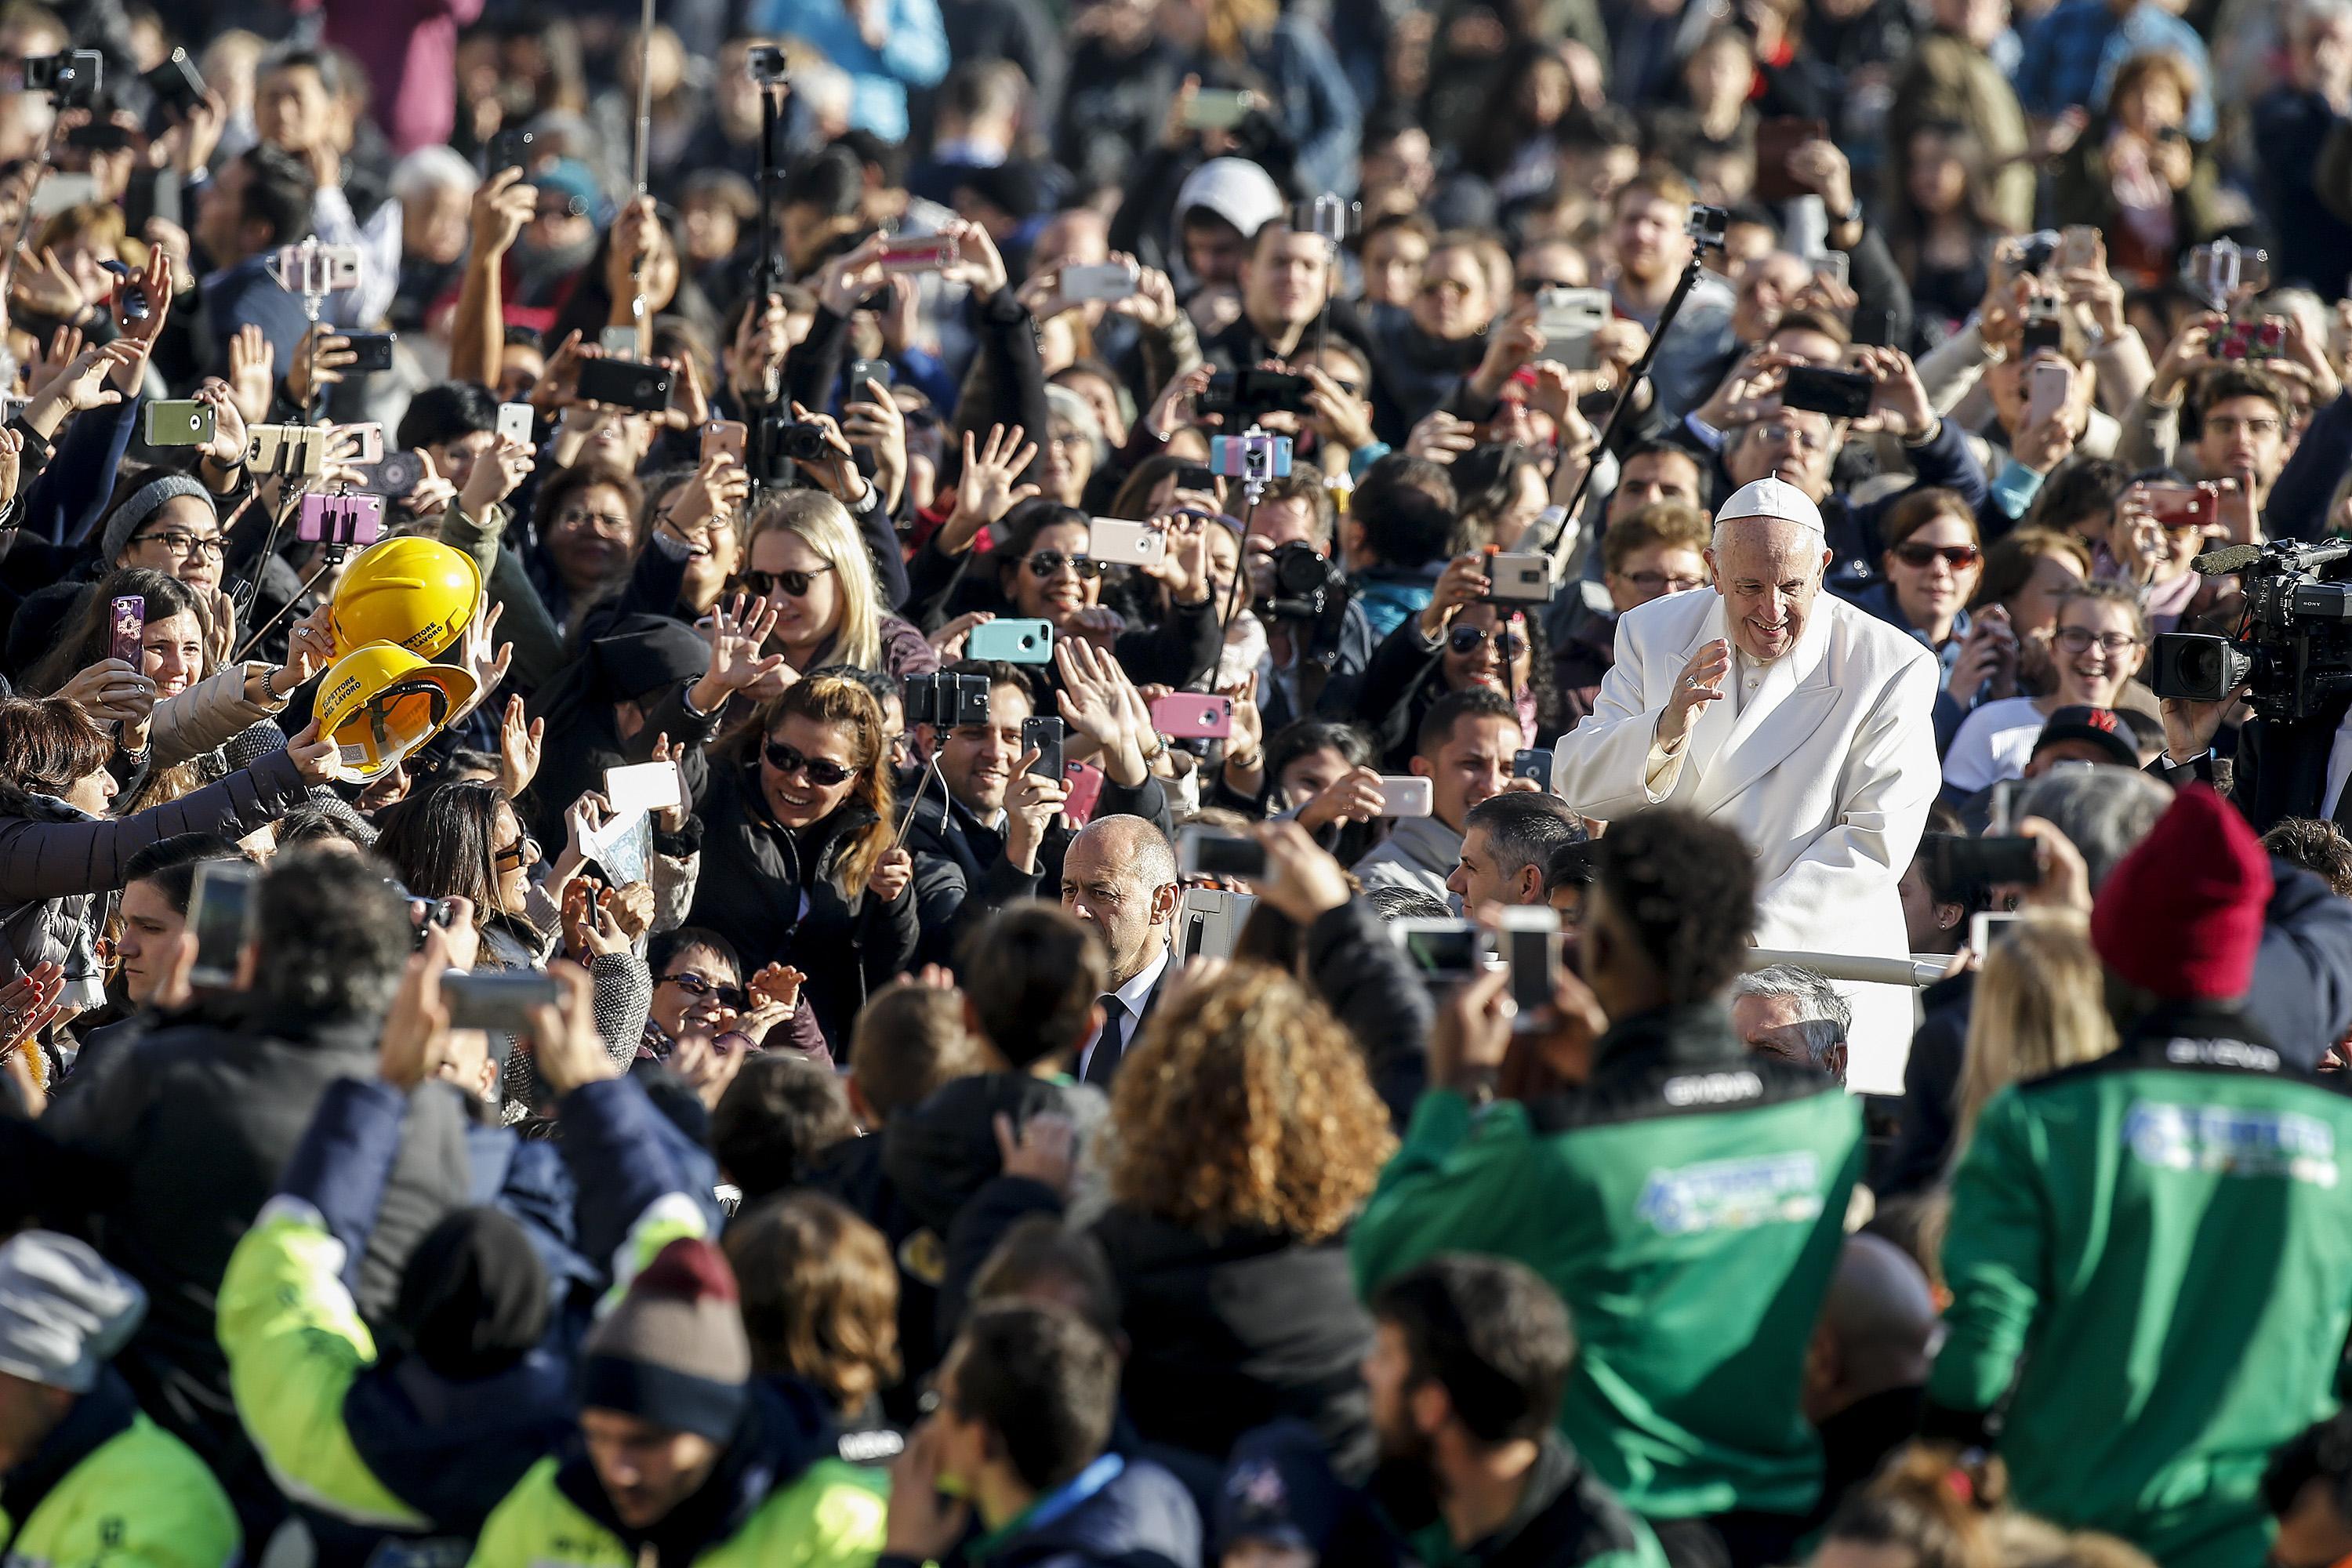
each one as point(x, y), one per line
point(1311, 592)
point(2292, 651)
point(71, 79)
point(945, 701)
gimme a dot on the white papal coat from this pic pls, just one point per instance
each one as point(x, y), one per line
point(1826, 766)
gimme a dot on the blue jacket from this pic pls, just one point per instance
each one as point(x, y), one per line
point(915, 55)
point(1129, 1512)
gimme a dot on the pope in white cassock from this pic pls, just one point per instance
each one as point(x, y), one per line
point(1793, 716)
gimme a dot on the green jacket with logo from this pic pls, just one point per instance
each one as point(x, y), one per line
point(1687, 1202)
point(110, 1489)
point(2150, 1257)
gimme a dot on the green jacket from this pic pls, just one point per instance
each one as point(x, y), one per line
point(1688, 1204)
point(110, 1489)
point(830, 1516)
point(2163, 1238)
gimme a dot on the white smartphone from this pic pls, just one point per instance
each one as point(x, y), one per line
point(2048, 385)
point(516, 422)
point(1568, 318)
point(1989, 926)
point(1521, 577)
point(1401, 796)
point(1122, 543)
point(370, 437)
point(643, 786)
point(1097, 281)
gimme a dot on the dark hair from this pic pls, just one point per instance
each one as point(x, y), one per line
point(1684, 888)
point(778, 1115)
point(1470, 703)
point(47, 744)
point(665, 946)
point(1488, 1332)
point(1040, 1249)
point(1524, 828)
point(2234, 381)
point(278, 194)
point(1305, 737)
point(169, 864)
point(326, 820)
point(325, 63)
point(1045, 1380)
point(2079, 488)
point(1820, 321)
point(88, 637)
point(442, 844)
point(831, 180)
point(1406, 526)
point(447, 411)
point(1920, 505)
point(338, 936)
point(908, 1042)
point(820, 1295)
point(1031, 971)
point(1021, 526)
point(1569, 864)
point(2321, 1452)
point(2317, 847)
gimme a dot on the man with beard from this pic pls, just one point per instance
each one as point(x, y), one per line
point(1469, 1357)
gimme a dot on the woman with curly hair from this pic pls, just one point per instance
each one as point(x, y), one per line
point(1246, 1135)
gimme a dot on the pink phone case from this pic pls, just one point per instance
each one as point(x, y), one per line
point(1194, 716)
point(1086, 789)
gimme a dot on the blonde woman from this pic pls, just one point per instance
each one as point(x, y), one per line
point(805, 557)
point(2041, 1005)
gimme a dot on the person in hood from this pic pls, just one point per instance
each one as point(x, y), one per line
point(682, 1456)
point(1018, 1442)
point(413, 1441)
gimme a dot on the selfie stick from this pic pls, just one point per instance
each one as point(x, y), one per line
point(1641, 371)
point(644, 136)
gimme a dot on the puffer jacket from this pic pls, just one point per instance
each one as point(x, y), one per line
point(777, 900)
point(55, 859)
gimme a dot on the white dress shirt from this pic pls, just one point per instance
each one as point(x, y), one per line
point(1132, 996)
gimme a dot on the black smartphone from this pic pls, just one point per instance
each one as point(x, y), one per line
point(1840, 394)
point(625, 384)
point(2005, 860)
point(1252, 392)
point(177, 85)
point(1043, 735)
point(374, 351)
point(1532, 764)
point(2040, 333)
point(510, 149)
point(1205, 852)
point(221, 912)
point(100, 136)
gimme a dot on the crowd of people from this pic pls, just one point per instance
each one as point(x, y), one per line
point(1175, 781)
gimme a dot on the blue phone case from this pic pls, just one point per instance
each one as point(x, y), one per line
point(1012, 642)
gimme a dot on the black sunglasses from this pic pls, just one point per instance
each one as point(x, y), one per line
point(1046, 562)
point(1465, 639)
point(787, 759)
point(694, 984)
point(796, 584)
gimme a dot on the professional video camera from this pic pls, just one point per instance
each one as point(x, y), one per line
point(2291, 650)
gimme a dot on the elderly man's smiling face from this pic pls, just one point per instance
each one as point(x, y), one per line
point(1768, 571)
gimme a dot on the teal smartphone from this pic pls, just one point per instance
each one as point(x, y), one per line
point(1012, 642)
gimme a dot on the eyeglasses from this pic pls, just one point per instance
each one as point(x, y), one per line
point(603, 521)
point(1959, 557)
point(1046, 562)
point(1467, 639)
point(821, 773)
point(2227, 425)
point(796, 584)
point(694, 984)
point(179, 543)
point(521, 852)
point(2077, 639)
point(1663, 582)
point(1779, 435)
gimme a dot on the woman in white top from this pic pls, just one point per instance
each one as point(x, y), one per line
point(2100, 642)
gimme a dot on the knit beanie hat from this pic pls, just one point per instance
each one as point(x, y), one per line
point(2181, 915)
point(673, 1352)
point(64, 1310)
point(139, 506)
point(473, 1299)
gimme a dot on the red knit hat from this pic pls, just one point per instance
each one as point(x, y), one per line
point(2181, 915)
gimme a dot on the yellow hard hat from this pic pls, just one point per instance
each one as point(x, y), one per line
point(379, 703)
point(415, 593)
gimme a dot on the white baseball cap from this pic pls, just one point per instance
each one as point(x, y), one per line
point(1236, 190)
point(1774, 499)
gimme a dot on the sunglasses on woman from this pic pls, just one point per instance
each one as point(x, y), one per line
point(796, 584)
point(1046, 562)
point(694, 984)
point(1959, 557)
point(518, 853)
point(821, 773)
point(1468, 639)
